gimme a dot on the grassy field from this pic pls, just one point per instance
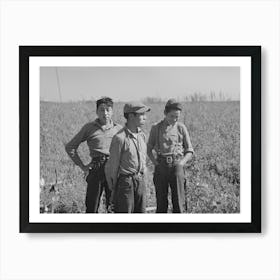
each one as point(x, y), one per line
point(213, 175)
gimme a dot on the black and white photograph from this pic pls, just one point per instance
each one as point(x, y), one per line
point(189, 117)
point(159, 137)
point(139, 140)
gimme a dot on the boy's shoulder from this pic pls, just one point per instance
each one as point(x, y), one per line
point(156, 124)
point(118, 126)
point(120, 134)
point(181, 125)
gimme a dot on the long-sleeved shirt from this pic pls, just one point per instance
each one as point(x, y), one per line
point(170, 139)
point(127, 154)
point(98, 139)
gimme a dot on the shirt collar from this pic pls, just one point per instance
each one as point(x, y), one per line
point(131, 133)
point(167, 124)
point(97, 123)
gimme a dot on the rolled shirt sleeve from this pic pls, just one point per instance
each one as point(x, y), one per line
point(188, 148)
point(72, 146)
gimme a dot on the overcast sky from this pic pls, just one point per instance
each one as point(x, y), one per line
point(135, 83)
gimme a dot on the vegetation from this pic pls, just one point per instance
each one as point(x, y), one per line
point(212, 176)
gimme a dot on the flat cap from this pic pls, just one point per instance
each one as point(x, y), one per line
point(135, 107)
point(173, 104)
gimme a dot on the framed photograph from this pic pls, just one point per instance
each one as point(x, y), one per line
point(168, 134)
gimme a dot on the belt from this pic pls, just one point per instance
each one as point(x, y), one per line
point(169, 159)
point(98, 162)
point(102, 158)
point(136, 175)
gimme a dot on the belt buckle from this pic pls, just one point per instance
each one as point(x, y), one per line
point(169, 159)
point(103, 159)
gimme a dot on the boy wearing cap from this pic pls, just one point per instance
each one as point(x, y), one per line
point(98, 135)
point(125, 169)
point(171, 142)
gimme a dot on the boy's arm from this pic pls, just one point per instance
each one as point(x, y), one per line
point(113, 163)
point(188, 149)
point(151, 144)
point(72, 147)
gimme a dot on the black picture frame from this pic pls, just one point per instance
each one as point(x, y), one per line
point(254, 52)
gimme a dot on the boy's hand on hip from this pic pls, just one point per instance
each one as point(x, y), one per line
point(86, 170)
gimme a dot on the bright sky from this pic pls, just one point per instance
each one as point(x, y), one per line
point(135, 83)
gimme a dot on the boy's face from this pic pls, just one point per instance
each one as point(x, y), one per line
point(104, 113)
point(138, 119)
point(172, 116)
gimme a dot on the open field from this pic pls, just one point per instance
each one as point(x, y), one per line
point(213, 175)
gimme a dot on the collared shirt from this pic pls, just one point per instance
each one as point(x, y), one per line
point(170, 139)
point(127, 154)
point(98, 139)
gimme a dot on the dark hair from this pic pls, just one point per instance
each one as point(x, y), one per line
point(127, 114)
point(104, 100)
point(168, 109)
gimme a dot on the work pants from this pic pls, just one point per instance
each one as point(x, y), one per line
point(130, 194)
point(96, 184)
point(173, 176)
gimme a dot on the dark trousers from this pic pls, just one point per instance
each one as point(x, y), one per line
point(96, 183)
point(174, 177)
point(130, 195)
